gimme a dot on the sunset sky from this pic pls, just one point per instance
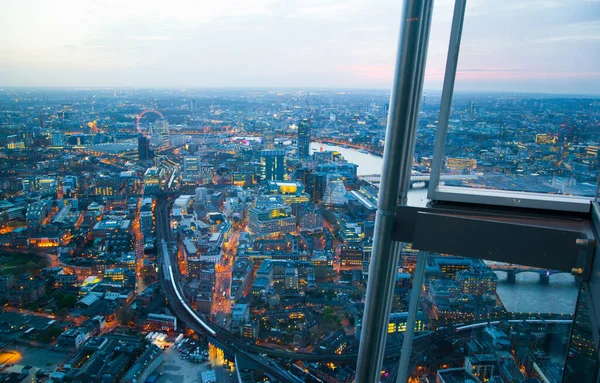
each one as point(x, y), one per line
point(549, 46)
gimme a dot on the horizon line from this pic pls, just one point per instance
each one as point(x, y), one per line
point(295, 88)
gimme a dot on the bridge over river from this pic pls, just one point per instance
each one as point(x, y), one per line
point(421, 178)
point(512, 271)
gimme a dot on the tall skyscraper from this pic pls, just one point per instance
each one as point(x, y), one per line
point(304, 138)
point(144, 152)
point(272, 164)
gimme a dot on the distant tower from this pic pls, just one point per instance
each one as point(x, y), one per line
point(144, 152)
point(272, 164)
point(304, 138)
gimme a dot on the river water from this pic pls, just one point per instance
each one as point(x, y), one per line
point(526, 294)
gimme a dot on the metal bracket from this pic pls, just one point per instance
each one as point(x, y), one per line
point(585, 258)
point(554, 243)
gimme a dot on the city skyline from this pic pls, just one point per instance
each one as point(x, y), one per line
point(241, 224)
point(316, 44)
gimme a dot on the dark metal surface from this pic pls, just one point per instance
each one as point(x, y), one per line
point(527, 239)
point(593, 285)
point(521, 244)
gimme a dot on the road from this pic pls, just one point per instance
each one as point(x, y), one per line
point(139, 250)
point(221, 338)
point(221, 308)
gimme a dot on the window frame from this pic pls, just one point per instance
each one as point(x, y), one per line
point(438, 192)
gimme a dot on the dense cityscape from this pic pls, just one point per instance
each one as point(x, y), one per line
point(225, 235)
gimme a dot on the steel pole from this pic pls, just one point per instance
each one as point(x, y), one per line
point(409, 333)
point(458, 19)
point(395, 182)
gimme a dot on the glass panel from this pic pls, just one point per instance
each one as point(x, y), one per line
point(486, 319)
point(525, 110)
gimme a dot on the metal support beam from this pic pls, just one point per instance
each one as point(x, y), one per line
point(562, 242)
point(415, 297)
point(447, 92)
point(437, 192)
point(395, 182)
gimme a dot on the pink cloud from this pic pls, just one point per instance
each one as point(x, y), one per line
point(383, 72)
point(510, 74)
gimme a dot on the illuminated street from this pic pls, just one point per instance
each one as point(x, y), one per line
point(139, 251)
point(221, 308)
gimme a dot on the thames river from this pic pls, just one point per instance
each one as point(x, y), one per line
point(526, 294)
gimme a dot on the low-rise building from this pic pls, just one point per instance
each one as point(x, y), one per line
point(161, 322)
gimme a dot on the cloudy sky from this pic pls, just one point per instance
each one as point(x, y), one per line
point(548, 46)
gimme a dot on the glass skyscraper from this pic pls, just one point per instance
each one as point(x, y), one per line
point(272, 164)
point(144, 152)
point(304, 138)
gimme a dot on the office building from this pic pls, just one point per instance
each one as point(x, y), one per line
point(290, 191)
point(153, 179)
point(37, 213)
point(351, 255)
point(43, 184)
point(106, 185)
point(272, 162)
point(347, 170)
point(304, 138)
point(335, 191)
point(310, 218)
point(146, 222)
point(161, 322)
point(271, 218)
point(456, 375)
point(59, 139)
point(397, 322)
point(478, 282)
point(291, 278)
point(144, 151)
point(191, 165)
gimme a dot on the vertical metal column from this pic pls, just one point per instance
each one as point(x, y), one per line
point(409, 333)
point(598, 188)
point(395, 181)
point(447, 92)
